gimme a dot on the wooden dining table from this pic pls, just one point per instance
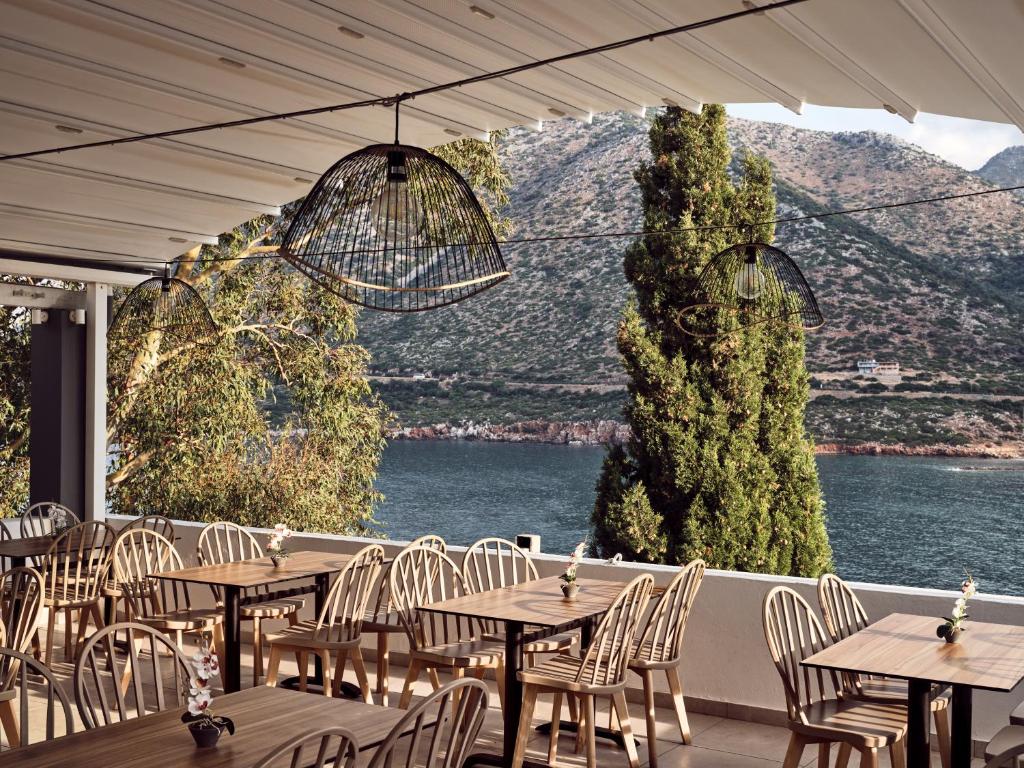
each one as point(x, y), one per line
point(20, 551)
point(539, 605)
point(988, 657)
point(236, 577)
point(264, 718)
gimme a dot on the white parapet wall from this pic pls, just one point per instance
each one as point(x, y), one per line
point(727, 670)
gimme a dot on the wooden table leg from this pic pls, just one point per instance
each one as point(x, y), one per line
point(961, 740)
point(231, 657)
point(919, 712)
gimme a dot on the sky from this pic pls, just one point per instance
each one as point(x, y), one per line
point(967, 143)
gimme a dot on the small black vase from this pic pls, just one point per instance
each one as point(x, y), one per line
point(205, 734)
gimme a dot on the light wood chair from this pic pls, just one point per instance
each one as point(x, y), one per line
point(818, 713)
point(1008, 738)
point(5, 535)
point(157, 523)
point(40, 518)
point(601, 671)
point(439, 732)
point(226, 542)
point(337, 629)
point(113, 685)
point(25, 680)
point(22, 590)
point(74, 572)
point(659, 646)
point(421, 576)
point(382, 619)
point(492, 563)
point(332, 748)
point(164, 605)
point(844, 615)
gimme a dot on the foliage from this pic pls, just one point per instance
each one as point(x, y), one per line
point(189, 425)
point(719, 465)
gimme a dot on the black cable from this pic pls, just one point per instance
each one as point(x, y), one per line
point(675, 230)
point(391, 100)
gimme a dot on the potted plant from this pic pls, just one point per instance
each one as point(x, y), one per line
point(203, 724)
point(956, 621)
point(570, 587)
point(59, 521)
point(276, 545)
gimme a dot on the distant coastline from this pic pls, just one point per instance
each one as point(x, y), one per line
point(603, 432)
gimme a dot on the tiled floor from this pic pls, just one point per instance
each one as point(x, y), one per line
point(717, 742)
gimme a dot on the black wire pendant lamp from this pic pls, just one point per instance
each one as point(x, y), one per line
point(168, 305)
point(755, 283)
point(395, 228)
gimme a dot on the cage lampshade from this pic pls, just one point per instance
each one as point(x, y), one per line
point(395, 228)
point(755, 283)
point(164, 304)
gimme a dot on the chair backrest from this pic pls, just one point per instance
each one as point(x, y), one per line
point(19, 611)
point(32, 680)
point(842, 611)
point(5, 535)
point(492, 563)
point(151, 675)
point(138, 552)
point(381, 604)
point(344, 609)
point(75, 567)
point(158, 523)
point(331, 747)
point(226, 542)
point(661, 639)
point(1007, 758)
point(612, 643)
point(432, 735)
point(429, 541)
point(41, 517)
point(421, 576)
point(794, 633)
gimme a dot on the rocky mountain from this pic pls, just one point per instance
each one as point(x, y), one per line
point(1005, 169)
point(936, 287)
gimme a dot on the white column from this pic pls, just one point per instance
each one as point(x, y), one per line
point(96, 401)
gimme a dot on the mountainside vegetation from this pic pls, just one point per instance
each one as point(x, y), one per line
point(933, 287)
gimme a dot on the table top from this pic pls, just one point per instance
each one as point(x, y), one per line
point(537, 602)
point(264, 719)
point(988, 656)
point(30, 546)
point(260, 571)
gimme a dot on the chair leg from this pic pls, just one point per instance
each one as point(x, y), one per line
point(843, 759)
point(898, 754)
point(434, 679)
point(823, 754)
point(591, 734)
point(581, 725)
point(626, 727)
point(303, 669)
point(525, 724)
point(676, 686)
point(10, 724)
point(325, 665)
point(257, 650)
point(83, 626)
point(942, 735)
point(795, 751)
point(457, 674)
point(339, 672)
point(68, 624)
point(383, 664)
point(273, 664)
point(363, 679)
point(499, 674)
point(869, 758)
point(51, 621)
point(556, 723)
point(652, 722)
point(410, 680)
point(293, 618)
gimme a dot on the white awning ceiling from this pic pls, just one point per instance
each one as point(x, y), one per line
point(82, 70)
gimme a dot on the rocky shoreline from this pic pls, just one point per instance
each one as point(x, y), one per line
point(605, 432)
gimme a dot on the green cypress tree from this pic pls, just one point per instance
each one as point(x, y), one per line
point(719, 465)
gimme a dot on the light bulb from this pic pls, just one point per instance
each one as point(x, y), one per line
point(397, 209)
point(749, 282)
